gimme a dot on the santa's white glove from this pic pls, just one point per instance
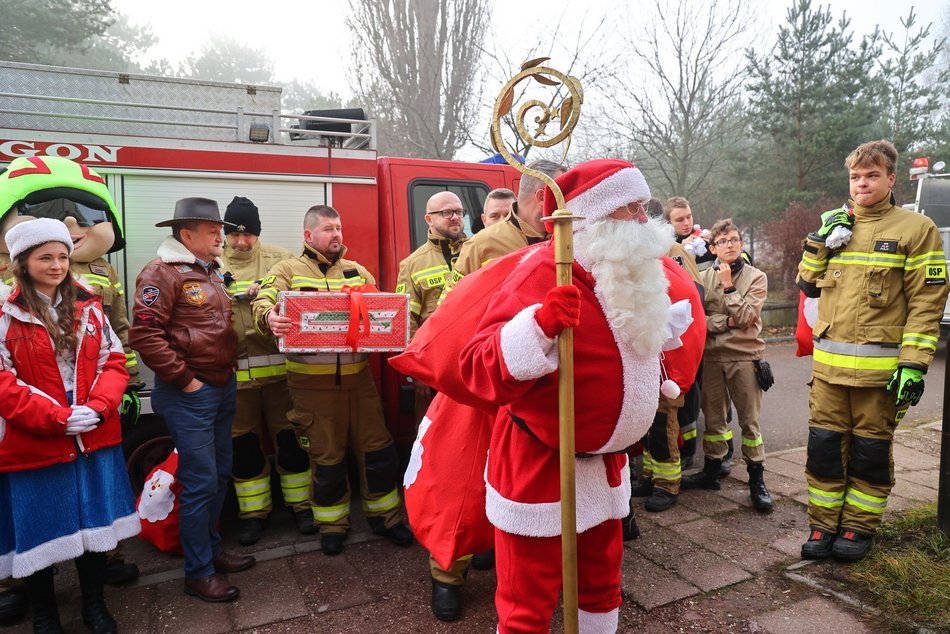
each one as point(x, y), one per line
point(82, 419)
point(696, 248)
point(679, 318)
point(838, 237)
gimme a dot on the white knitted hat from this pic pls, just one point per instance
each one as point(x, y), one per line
point(31, 233)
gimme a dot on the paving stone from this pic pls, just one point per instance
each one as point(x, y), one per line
point(269, 593)
point(785, 468)
point(129, 607)
point(816, 614)
point(661, 545)
point(174, 611)
point(720, 537)
point(329, 583)
point(927, 477)
point(906, 488)
point(786, 519)
point(706, 503)
point(651, 586)
point(708, 571)
point(798, 456)
point(675, 515)
point(905, 457)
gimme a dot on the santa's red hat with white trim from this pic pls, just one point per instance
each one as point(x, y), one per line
point(595, 189)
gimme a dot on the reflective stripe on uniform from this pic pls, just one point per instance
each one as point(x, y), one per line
point(253, 495)
point(931, 257)
point(385, 503)
point(752, 442)
point(310, 368)
point(261, 373)
point(261, 361)
point(118, 288)
point(269, 294)
point(415, 307)
point(811, 264)
point(689, 434)
point(920, 340)
point(96, 280)
point(865, 502)
point(667, 470)
point(330, 513)
point(718, 437)
point(439, 269)
point(826, 499)
point(130, 360)
point(860, 258)
point(298, 282)
point(867, 359)
point(295, 486)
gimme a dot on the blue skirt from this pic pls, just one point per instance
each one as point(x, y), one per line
point(59, 512)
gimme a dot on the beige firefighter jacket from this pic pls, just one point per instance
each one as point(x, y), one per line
point(682, 257)
point(259, 361)
point(742, 342)
point(423, 275)
point(493, 242)
point(313, 272)
point(881, 296)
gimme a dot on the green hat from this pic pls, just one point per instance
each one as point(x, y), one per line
point(38, 179)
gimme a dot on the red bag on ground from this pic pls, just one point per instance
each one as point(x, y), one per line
point(158, 506)
point(445, 481)
point(807, 316)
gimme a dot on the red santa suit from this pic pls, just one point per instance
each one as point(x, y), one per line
point(511, 362)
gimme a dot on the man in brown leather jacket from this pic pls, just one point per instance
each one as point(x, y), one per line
point(181, 328)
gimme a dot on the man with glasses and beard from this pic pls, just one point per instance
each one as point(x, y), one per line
point(621, 313)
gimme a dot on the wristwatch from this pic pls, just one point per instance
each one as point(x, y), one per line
point(729, 289)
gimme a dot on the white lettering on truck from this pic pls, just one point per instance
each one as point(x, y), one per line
point(82, 153)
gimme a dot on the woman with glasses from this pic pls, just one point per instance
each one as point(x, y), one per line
point(735, 293)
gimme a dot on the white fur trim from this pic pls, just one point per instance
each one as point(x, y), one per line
point(171, 251)
point(415, 458)
point(26, 235)
point(598, 622)
point(597, 502)
point(97, 540)
point(601, 200)
point(527, 352)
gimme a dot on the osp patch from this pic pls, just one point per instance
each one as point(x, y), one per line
point(150, 294)
point(193, 293)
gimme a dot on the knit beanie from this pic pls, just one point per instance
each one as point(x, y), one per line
point(24, 236)
point(243, 216)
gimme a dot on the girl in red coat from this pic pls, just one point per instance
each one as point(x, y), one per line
point(64, 491)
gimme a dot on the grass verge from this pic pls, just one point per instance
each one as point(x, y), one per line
point(908, 570)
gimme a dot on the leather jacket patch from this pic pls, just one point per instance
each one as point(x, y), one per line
point(193, 293)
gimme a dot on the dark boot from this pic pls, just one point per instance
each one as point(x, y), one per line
point(660, 501)
point(819, 544)
point(92, 577)
point(708, 478)
point(631, 530)
point(446, 601)
point(726, 467)
point(641, 488)
point(250, 530)
point(14, 602)
point(851, 545)
point(761, 499)
point(39, 585)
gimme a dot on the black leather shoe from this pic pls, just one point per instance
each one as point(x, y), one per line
point(13, 605)
point(660, 501)
point(213, 589)
point(120, 572)
point(851, 545)
point(304, 521)
point(641, 488)
point(332, 543)
point(484, 561)
point(229, 562)
point(446, 601)
point(96, 617)
point(250, 530)
point(398, 534)
point(818, 545)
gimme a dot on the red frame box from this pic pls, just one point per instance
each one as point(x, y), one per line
point(321, 322)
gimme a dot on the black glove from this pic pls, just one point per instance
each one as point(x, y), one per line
point(130, 407)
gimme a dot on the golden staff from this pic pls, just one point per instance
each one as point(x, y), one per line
point(567, 113)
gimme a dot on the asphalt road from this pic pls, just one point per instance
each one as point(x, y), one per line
point(784, 418)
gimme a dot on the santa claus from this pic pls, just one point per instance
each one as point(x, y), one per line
point(620, 310)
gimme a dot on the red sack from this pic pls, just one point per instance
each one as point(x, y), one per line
point(445, 481)
point(682, 363)
point(433, 354)
point(158, 506)
point(807, 316)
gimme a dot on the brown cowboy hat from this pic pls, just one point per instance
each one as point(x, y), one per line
point(194, 210)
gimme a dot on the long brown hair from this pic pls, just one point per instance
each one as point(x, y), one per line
point(61, 330)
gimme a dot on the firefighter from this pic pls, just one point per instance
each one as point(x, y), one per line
point(262, 397)
point(497, 206)
point(335, 403)
point(521, 227)
point(662, 470)
point(882, 293)
point(735, 294)
point(422, 275)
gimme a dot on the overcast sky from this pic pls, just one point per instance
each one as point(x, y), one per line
point(309, 40)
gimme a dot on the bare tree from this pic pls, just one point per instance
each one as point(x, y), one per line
point(416, 69)
point(681, 118)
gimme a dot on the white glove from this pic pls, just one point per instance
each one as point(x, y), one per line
point(83, 419)
point(697, 248)
point(839, 237)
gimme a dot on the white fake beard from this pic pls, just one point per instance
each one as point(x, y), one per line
point(629, 280)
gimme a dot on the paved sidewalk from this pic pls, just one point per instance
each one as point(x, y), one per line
point(710, 564)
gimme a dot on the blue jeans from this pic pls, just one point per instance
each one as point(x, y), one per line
point(200, 423)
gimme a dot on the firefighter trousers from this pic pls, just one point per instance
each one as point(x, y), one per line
point(725, 381)
point(263, 409)
point(333, 413)
point(850, 467)
point(529, 579)
point(661, 457)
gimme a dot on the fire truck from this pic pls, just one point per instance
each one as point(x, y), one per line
point(933, 200)
point(159, 139)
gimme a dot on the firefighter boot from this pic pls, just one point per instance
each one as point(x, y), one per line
point(851, 545)
point(707, 479)
point(250, 529)
point(631, 530)
point(92, 571)
point(446, 601)
point(14, 602)
point(39, 585)
point(661, 500)
point(642, 488)
point(761, 499)
point(819, 544)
